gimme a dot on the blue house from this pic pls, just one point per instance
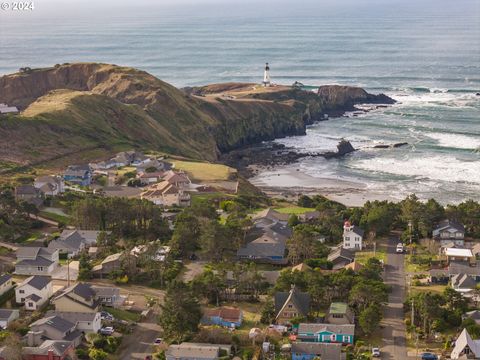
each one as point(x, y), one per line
point(310, 351)
point(223, 316)
point(326, 333)
point(78, 174)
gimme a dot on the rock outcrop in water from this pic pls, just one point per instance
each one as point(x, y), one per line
point(73, 109)
point(344, 147)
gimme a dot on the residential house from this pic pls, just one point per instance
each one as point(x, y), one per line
point(463, 283)
point(459, 255)
point(223, 316)
point(110, 263)
point(329, 333)
point(311, 351)
point(108, 296)
point(53, 328)
point(29, 194)
point(160, 165)
point(465, 347)
point(80, 298)
point(269, 248)
point(36, 261)
point(86, 322)
point(340, 257)
point(271, 215)
point(309, 216)
point(474, 315)
point(339, 313)
point(34, 292)
point(72, 242)
point(6, 283)
point(449, 230)
point(157, 253)
point(7, 316)
point(5, 109)
point(150, 178)
point(355, 266)
point(352, 236)
point(50, 185)
point(178, 179)
point(476, 250)
point(301, 267)
point(197, 351)
point(291, 305)
point(166, 194)
point(89, 236)
point(78, 174)
point(103, 165)
point(49, 350)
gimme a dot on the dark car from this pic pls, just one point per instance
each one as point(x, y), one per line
point(429, 356)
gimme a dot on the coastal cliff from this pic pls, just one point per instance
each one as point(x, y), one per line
point(76, 108)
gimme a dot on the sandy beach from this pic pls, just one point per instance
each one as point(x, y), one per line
point(289, 182)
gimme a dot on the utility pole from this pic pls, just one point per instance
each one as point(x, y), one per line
point(68, 271)
point(410, 230)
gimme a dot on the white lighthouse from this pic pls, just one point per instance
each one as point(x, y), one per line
point(266, 76)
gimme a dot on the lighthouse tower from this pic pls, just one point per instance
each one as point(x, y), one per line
point(266, 76)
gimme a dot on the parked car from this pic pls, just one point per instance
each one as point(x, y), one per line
point(400, 248)
point(107, 330)
point(429, 356)
point(158, 341)
point(104, 315)
point(375, 352)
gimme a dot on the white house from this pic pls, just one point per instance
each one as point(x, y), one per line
point(50, 185)
point(86, 322)
point(6, 283)
point(7, 316)
point(465, 347)
point(34, 292)
point(36, 260)
point(352, 237)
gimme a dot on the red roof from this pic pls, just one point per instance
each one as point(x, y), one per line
point(226, 313)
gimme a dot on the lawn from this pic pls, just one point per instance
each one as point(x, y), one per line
point(363, 256)
point(123, 314)
point(438, 289)
point(421, 264)
point(201, 171)
point(293, 210)
point(55, 217)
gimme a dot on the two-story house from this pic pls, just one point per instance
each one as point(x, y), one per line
point(449, 231)
point(7, 316)
point(36, 261)
point(50, 350)
point(352, 236)
point(53, 328)
point(29, 194)
point(34, 292)
point(291, 305)
point(78, 174)
point(339, 313)
point(50, 185)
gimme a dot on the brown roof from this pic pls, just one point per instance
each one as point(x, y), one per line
point(226, 313)
point(355, 266)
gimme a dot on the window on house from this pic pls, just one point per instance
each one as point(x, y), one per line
point(290, 306)
point(31, 304)
point(346, 339)
point(338, 316)
point(40, 268)
point(22, 299)
point(21, 291)
point(347, 238)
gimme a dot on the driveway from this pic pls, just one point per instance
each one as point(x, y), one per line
point(393, 333)
point(193, 269)
point(139, 343)
point(62, 272)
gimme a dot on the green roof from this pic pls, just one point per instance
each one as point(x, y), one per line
point(338, 308)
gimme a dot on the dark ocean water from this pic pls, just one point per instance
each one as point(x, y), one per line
point(424, 53)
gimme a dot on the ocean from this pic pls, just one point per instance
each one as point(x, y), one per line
point(423, 53)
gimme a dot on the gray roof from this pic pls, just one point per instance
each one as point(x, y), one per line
point(474, 314)
point(5, 314)
point(463, 281)
point(73, 242)
point(37, 281)
point(300, 299)
point(83, 290)
point(358, 230)
point(194, 351)
point(26, 189)
point(316, 328)
point(28, 251)
point(448, 224)
point(324, 350)
point(33, 297)
point(340, 252)
point(59, 347)
point(73, 317)
point(264, 246)
point(39, 261)
point(106, 291)
point(55, 322)
point(4, 278)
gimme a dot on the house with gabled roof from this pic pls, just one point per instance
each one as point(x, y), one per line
point(53, 328)
point(7, 316)
point(178, 179)
point(311, 351)
point(340, 257)
point(339, 313)
point(465, 347)
point(80, 297)
point(36, 260)
point(78, 174)
point(229, 317)
point(86, 322)
point(448, 230)
point(72, 242)
point(34, 292)
point(326, 333)
point(29, 194)
point(6, 283)
point(50, 350)
point(474, 315)
point(166, 194)
point(272, 215)
point(291, 305)
point(352, 237)
point(111, 263)
point(50, 185)
point(463, 283)
point(197, 351)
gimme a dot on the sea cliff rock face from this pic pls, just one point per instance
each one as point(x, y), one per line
point(76, 107)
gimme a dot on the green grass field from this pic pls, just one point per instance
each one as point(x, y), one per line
point(363, 256)
point(123, 314)
point(293, 210)
point(54, 217)
point(202, 171)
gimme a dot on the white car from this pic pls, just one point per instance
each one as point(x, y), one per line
point(375, 352)
point(400, 248)
point(107, 330)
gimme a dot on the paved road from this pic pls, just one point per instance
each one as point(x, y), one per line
point(139, 343)
point(393, 332)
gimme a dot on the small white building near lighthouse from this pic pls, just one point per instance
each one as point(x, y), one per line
point(266, 76)
point(352, 237)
